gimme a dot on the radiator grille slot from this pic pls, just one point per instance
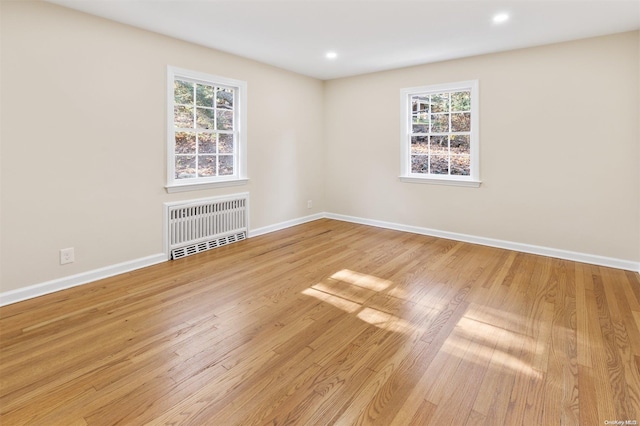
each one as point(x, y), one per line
point(207, 245)
point(201, 225)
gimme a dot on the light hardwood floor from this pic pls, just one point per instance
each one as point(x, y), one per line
point(331, 323)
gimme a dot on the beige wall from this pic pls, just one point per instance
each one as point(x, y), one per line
point(82, 156)
point(83, 140)
point(559, 148)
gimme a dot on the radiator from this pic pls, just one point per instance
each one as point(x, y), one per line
point(200, 225)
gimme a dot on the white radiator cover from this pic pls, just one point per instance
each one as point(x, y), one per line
point(194, 226)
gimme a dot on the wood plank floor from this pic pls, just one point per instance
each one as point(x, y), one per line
point(331, 323)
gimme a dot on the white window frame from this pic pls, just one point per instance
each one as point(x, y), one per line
point(473, 180)
point(239, 177)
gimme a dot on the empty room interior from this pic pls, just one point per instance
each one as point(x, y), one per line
point(312, 212)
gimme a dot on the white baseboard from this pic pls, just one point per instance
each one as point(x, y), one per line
point(285, 224)
point(36, 290)
point(52, 286)
point(509, 245)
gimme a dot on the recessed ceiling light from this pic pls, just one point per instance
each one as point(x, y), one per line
point(331, 55)
point(500, 18)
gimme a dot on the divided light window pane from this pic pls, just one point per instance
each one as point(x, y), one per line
point(205, 130)
point(440, 133)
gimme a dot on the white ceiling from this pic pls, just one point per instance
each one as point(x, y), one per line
point(367, 35)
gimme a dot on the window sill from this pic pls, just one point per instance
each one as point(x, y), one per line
point(437, 181)
point(204, 185)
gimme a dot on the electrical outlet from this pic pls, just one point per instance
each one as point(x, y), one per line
point(67, 256)
point(309, 204)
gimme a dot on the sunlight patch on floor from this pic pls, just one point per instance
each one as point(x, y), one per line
point(350, 291)
point(488, 315)
point(337, 301)
point(362, 280)
point(385, 320)
point(374, 317)
point(491, 345)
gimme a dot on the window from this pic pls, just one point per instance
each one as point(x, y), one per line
point(440, 134)
point(206, 130)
